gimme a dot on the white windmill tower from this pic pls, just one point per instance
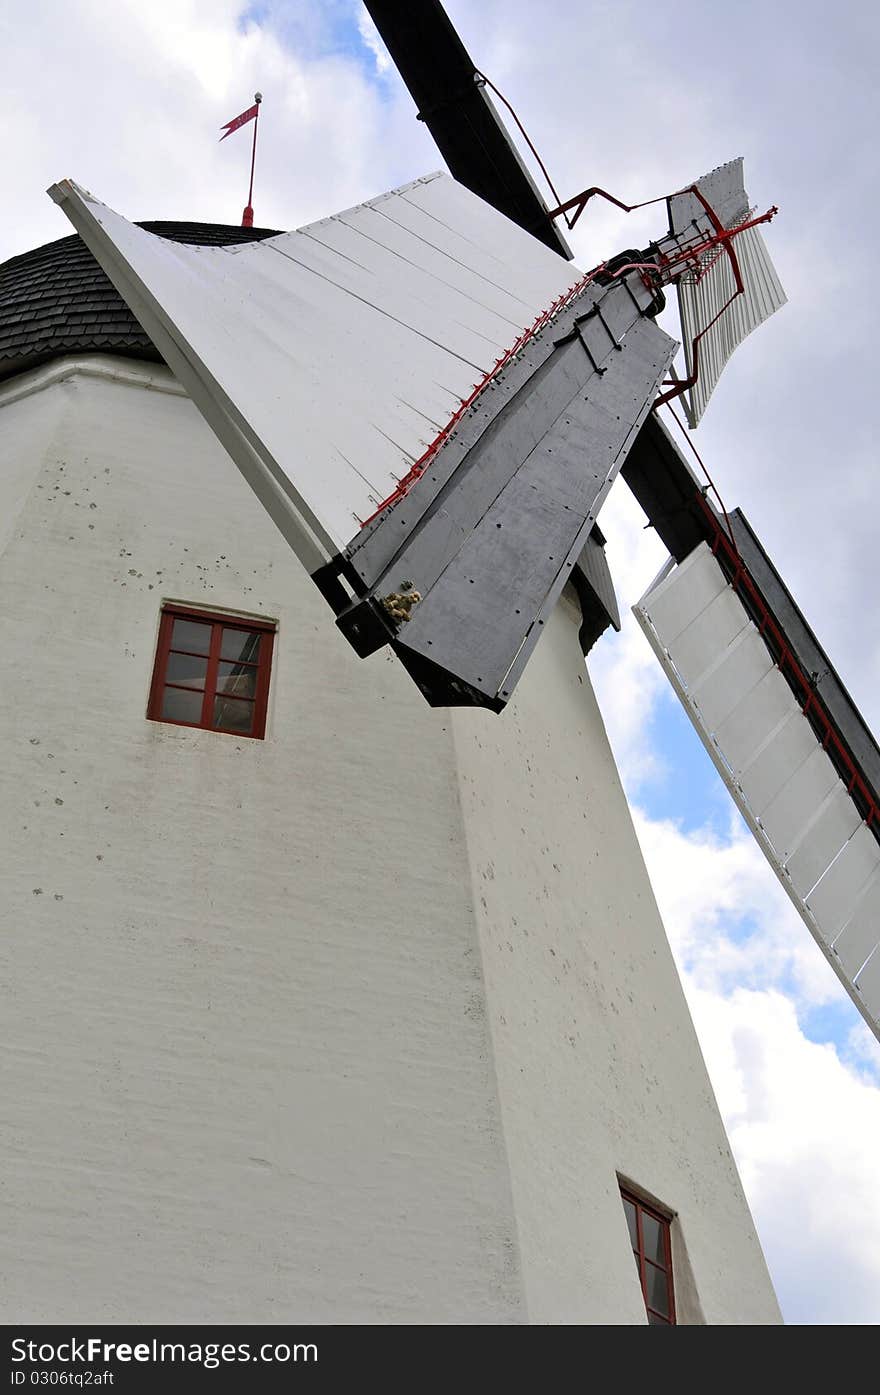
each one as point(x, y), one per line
point(374, 1018)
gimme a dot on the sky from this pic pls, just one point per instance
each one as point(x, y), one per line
point(128, 99)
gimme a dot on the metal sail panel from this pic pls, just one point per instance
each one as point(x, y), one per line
point(490, 533)
point(328, 359)
point(700, 301)
point(773, 764)
point(724, 191)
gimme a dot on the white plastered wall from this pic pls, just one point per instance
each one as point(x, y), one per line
point(357, 1023)
point(600, 1072)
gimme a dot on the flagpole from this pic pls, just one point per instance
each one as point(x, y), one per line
point(247, 217)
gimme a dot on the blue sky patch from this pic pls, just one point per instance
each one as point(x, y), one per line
point(689, 788)
point(328, 30)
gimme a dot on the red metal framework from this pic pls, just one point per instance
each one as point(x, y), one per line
point(689, 255)
point(652, 1249)
point(212, 671)
point(580, 201)
point(424, 460)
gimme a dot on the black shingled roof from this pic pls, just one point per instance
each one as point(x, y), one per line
point(56, 300)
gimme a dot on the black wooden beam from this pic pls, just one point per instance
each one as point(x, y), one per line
point(453, 103)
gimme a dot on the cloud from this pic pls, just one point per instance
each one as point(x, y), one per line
point(729, 920)
point(805, 1130)
point(370, 35)
point(130, 100)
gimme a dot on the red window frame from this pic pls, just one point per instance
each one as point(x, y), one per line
point(219, 622)
point(644, 1264)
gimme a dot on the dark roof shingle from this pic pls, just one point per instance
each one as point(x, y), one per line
point(56, 299)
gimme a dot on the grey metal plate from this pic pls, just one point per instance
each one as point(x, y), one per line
point(868, 984)
point(835, 899)
point(491, 536)
point(856, 942)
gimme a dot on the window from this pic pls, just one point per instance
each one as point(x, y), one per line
point(652, 1249)
point(212, 671)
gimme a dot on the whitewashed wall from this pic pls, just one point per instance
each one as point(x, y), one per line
point(358, 1023)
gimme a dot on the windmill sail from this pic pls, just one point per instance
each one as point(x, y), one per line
point(365, 330)
point(452, 100)
point(701, 298)
point(782, 731)
point(715, 319)
point(336, 361)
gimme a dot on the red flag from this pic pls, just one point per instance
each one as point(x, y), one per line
point(238, 121)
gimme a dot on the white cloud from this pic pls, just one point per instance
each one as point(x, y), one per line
point(805, 1130)
point(129, 101)
point(728, 918)
point(370, 35)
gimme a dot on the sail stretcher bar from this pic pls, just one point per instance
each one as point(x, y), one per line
point(810, 803)
point(333, 362)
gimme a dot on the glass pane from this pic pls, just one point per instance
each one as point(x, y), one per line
point(655, 1321)
point(652, 1235)
point(191, 634)
point(187, 670)
point(240, 644)
point(631, 1222)
point(233, 715)
point(655, 1282)
point(237, 679)
point(181, 706)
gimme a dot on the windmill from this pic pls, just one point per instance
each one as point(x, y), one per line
point(457, 563)
point(423, 1028)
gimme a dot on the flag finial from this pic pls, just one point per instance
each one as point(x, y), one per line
point(252, 114)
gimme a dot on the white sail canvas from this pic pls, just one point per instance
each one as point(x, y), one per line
point(329, 358)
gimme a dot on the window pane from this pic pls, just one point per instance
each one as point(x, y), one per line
point(186, 670)
point(240, 644)
point(237, 679)
point(652, 1235)
point(655, 1321)
point(655, 1282)
point(631, 1222)
point(191, 634)
point(181, 706)
point(230, 713)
